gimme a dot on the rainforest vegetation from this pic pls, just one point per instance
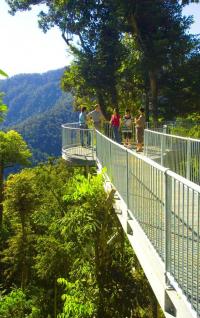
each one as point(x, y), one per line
point(57, 257)
point(36, 109)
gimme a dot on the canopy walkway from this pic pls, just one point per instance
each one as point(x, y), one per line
point(159, 209)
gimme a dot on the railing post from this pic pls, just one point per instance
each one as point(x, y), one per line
point(110, 149)
point(62, 135)
point(162, 149)
point(92, 142)
point(167, 206)
point(165, 129)
point(146, 142)
point(188, 170)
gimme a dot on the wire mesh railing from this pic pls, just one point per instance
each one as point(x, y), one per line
point(77, 141)
point(167, 207)
point(179, 154)
point(108, 131)
point(183, 236)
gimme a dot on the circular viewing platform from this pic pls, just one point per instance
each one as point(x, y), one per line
point(78, 145)
point(79, 156)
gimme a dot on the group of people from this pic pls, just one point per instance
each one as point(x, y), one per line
point(126, 126)
point(116, 122)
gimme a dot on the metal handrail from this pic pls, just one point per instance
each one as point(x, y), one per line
point(77, 141)
point(179, 154)
point(165, 205)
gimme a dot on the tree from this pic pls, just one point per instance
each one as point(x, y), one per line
point(62, 224)
point(3, 107)
point(99, 52)
point(159, 30)
point(157, 27)
point(21, 200)
point(189, 1)
point(179, 85)
point(99, 56)
point(34, 256)
point(15, 304)
point(13, 150)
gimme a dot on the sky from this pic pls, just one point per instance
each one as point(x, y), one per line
point(24, 48)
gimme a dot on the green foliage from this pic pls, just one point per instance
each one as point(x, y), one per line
point(158, 65)
point(30, 94)
point(13, 149)
point(37, 108)
point(20, 202)
point(3, 73)
point(21, 194)
point(3, 107)
point(187, 126)
point(75, 300)
point(57, 224)
point(15, 304)
point(193, 132)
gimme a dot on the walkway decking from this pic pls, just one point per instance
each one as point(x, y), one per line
point(79, 156)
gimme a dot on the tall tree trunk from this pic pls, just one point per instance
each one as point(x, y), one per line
point(24, 267)
point(154, 92)
point(152, 73)
point(147, 104)
point(102, 257)
point(114, 98)
point(1, 194)
point(102, 104)
point(55, 297)
point(100, 308)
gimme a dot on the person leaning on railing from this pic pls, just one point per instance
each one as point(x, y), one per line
point(96, 116)
point(140, 125)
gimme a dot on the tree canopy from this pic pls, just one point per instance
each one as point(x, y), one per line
point(95, 32)
point(13, 150)
point(57, 226)
point(3, 107)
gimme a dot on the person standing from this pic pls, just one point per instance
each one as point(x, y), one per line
point(140, 125)
point(96, 116)
point(115, 124)
point(127, 128)
point(83, 126)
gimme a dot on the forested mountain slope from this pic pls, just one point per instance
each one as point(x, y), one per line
point(37, 108)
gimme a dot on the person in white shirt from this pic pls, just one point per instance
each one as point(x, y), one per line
point(127, 128)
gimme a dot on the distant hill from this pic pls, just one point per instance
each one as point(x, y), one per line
point(37, 108)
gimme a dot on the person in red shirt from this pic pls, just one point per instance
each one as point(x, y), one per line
point(115, 123)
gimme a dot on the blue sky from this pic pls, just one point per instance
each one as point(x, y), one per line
point(26, 49)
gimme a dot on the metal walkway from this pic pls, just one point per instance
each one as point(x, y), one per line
point(160, 212)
